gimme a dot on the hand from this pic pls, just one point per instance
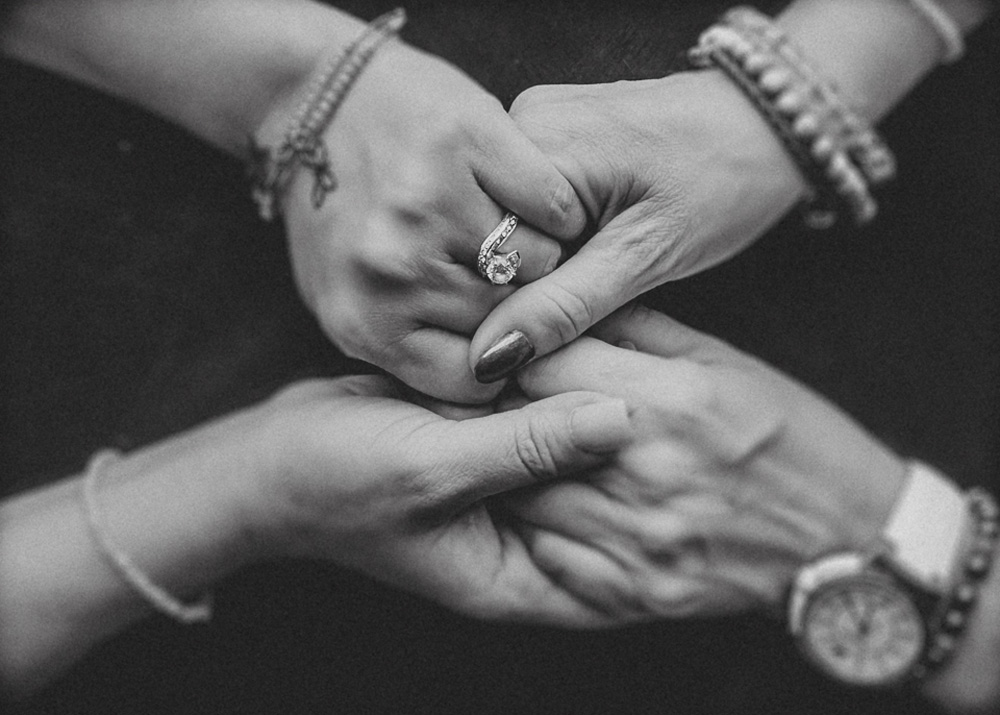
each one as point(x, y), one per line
point(426, 163)
point(355, 475)
point(738, 477)
point(677, 174)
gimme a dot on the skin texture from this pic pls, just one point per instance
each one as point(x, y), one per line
point(388, 263)
point(682, 173)
point(740, 476)
point(662, 167)
point(342, 470)
point(426, 162)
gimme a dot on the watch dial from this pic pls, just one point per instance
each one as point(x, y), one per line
point(863, 631)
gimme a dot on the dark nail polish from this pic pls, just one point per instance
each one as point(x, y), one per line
point(503, 357)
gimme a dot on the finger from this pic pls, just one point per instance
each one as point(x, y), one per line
point(518, 176)
point(607, 272)
point(434, 361)
point(553, 437)
point(539, 253)
point(518, 591)
point(458, 299)
point(593, 365)
point(442, 408)
point(573, 509)
point(653, 332)
point(584, 572)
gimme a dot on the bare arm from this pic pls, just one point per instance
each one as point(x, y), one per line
point(215, 68)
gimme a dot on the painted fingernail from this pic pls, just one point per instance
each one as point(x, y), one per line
point(601, 427)
point(503, 357)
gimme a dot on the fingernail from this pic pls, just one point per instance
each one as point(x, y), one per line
point(503, 357)
point(628, 345)
point(601, 426)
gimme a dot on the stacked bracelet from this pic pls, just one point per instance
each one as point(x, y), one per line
point(839, 153)
point(953, 615)
point(158, 597)
point(302, 144)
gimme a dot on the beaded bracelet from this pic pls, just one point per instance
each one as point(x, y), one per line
point(862, 143)
point(271, 170)
point(838, 153)
point(953, 616)
point(158, 597)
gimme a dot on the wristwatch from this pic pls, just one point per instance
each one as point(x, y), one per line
point(866, 618)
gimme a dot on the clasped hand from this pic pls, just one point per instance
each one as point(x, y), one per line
point(426, 163)
point(738, 477)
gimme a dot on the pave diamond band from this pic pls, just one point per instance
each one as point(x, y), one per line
point(499, 268)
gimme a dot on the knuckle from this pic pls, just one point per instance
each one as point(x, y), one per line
point(526, 99)
point(388, 263)
point(672, 597)
point(562, 218)
point(346, 328)
point(665, 541)
point(565, 313)
point(534, 442)
point(694, 399)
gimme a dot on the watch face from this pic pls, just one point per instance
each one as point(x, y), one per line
point(863, 630)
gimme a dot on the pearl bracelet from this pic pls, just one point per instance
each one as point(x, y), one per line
point(839, 154)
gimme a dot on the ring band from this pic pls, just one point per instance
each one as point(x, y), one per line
point(499, 268)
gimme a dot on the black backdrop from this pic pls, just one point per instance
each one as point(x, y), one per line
point(141, 295)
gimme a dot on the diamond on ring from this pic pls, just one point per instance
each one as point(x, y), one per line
point(499, 268)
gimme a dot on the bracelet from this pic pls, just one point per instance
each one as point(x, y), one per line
point(271, 170)
point(946, 29)
point(838, 153)
point(197, 612)
point(863, 144)
point(953, 616)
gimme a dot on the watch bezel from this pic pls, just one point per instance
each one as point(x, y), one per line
point(868, 579)
point(839, 572)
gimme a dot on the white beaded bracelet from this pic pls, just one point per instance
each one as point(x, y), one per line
point(947, 30)
point(156, 596)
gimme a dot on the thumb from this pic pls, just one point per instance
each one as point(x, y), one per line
point(610, 269)
point(538, 442)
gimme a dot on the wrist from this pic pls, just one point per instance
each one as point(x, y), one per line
point(193, 488)
point(874, 51)
point(717, 118)
point(216, 69)
point(969, 681)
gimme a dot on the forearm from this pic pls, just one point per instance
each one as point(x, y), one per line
point(173, 508)
point(214, 67)
point(877, 51)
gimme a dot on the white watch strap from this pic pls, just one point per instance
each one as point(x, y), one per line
point(924, 532)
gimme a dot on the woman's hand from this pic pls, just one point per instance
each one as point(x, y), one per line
point(353, 474)
point(426, 163)
point(677, 174)
point(335, 469)
point(739, 476)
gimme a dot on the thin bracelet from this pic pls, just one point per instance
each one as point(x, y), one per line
point(946, 29)
point(187, 613)
point(271, 169)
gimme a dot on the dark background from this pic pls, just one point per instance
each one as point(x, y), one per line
point(141, 295)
